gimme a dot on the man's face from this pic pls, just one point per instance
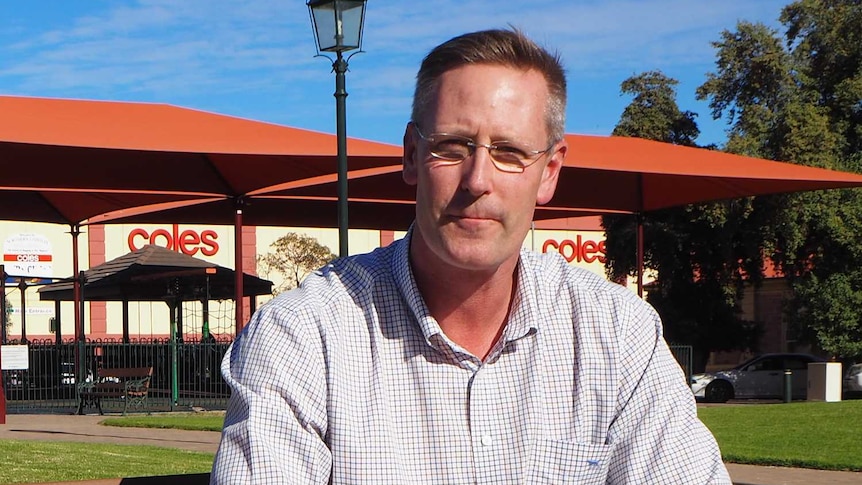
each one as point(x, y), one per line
point(472, 215)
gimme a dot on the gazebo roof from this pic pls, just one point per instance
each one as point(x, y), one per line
point(154, 273)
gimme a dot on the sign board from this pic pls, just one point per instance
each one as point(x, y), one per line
point(38, 310)
point(28, 255)
point(14, 357)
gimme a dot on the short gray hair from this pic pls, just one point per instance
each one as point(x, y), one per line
point(510, 48)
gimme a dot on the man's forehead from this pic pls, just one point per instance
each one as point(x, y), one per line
point(519, 96)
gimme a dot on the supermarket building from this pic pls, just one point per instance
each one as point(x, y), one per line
point(37, 253)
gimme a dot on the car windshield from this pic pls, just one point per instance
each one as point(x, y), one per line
point(746, 363)
point(795, 361)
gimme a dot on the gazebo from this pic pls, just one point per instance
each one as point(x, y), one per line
point(154, 273)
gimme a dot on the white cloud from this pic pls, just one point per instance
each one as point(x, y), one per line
point(224, 36)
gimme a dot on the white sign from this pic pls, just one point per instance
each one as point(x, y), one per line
point(14, 357)
point(38, 310)
point(28, 255)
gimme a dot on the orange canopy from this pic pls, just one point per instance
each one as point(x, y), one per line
point(112, 149)
point(160, 127)
point(295, 211)
point(621, 174)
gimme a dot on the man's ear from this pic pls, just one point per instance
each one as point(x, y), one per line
point(409, 159)
point(551, 173)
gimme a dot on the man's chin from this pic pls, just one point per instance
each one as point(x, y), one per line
point(473, 255)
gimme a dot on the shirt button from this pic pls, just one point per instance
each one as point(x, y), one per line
point(487, 440)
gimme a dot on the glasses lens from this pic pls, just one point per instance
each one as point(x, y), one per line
point(449, 147)
point(453, 149)
point(510, 158)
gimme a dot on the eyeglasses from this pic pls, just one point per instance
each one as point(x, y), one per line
point(507, 156)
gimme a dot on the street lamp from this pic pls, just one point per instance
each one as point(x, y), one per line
point(338, 28)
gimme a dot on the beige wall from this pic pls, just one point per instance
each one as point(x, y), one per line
point(212, 243)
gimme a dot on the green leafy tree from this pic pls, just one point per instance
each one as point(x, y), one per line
point(294, 256)
point(653, 113)
point(800, 100)
point(694, 250)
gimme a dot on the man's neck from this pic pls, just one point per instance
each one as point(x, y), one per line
point(471, 308)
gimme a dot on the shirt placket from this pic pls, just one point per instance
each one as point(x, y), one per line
point(484, 434)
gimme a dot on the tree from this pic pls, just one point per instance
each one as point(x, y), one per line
point(294, 257)
point(801, 100)
point(694, 250)
point(653, 113)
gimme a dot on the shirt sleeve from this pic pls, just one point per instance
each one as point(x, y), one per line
point(657, 435)
point(275, 423)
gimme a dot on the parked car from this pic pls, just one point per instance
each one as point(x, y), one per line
point(761, 377)
point(853, 379)
point(67, 374)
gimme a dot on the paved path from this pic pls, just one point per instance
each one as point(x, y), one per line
point(64, 427)
point(53, 427)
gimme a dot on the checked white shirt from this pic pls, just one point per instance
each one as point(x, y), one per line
point(349, 380)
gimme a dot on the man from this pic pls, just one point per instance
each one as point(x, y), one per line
point(452, 356)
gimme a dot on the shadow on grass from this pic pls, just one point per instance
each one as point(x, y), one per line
point(190, 479)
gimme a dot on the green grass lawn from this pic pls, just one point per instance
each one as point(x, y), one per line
point(804, 434)
point(207, 421)
point(53, 461)
point(811, 435)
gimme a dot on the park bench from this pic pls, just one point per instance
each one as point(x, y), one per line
point(130, 385)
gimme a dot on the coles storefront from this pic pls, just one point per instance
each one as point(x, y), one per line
point(37, 252)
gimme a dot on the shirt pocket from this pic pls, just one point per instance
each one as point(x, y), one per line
point(561, 462)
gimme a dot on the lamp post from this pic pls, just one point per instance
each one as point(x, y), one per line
point(338, 28)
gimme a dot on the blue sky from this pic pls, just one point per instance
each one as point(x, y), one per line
point(255, 58)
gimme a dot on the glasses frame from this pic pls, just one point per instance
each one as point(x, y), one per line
point(532, 156)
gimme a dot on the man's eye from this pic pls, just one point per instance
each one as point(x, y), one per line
point(451, 148)
point(509, 152)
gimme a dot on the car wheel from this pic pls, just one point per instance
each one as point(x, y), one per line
point(719, 391)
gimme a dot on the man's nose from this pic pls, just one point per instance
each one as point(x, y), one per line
point(478, 170)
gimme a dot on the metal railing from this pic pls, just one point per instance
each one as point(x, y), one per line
point(684, 356)
point(186, 378)
point(50, 381)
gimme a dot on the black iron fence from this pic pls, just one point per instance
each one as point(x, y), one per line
point(684, 355)
point(185, 374)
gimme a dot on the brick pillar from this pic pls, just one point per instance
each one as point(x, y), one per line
point(249, 262)
point(386, 238)
point(98, 314)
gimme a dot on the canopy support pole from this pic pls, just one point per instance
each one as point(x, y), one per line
point(640, 256)
point(238, 296)
point(175, 388)
point(75, 231)
point(58, 324)
point(126, 321)
point(4, 318)
point(22, 289)
point(2, 339)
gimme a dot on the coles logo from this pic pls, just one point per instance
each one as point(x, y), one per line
point(187, 242)
point(577, 250)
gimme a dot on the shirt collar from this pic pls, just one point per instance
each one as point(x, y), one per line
point(523, 315)
point(409, 291)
